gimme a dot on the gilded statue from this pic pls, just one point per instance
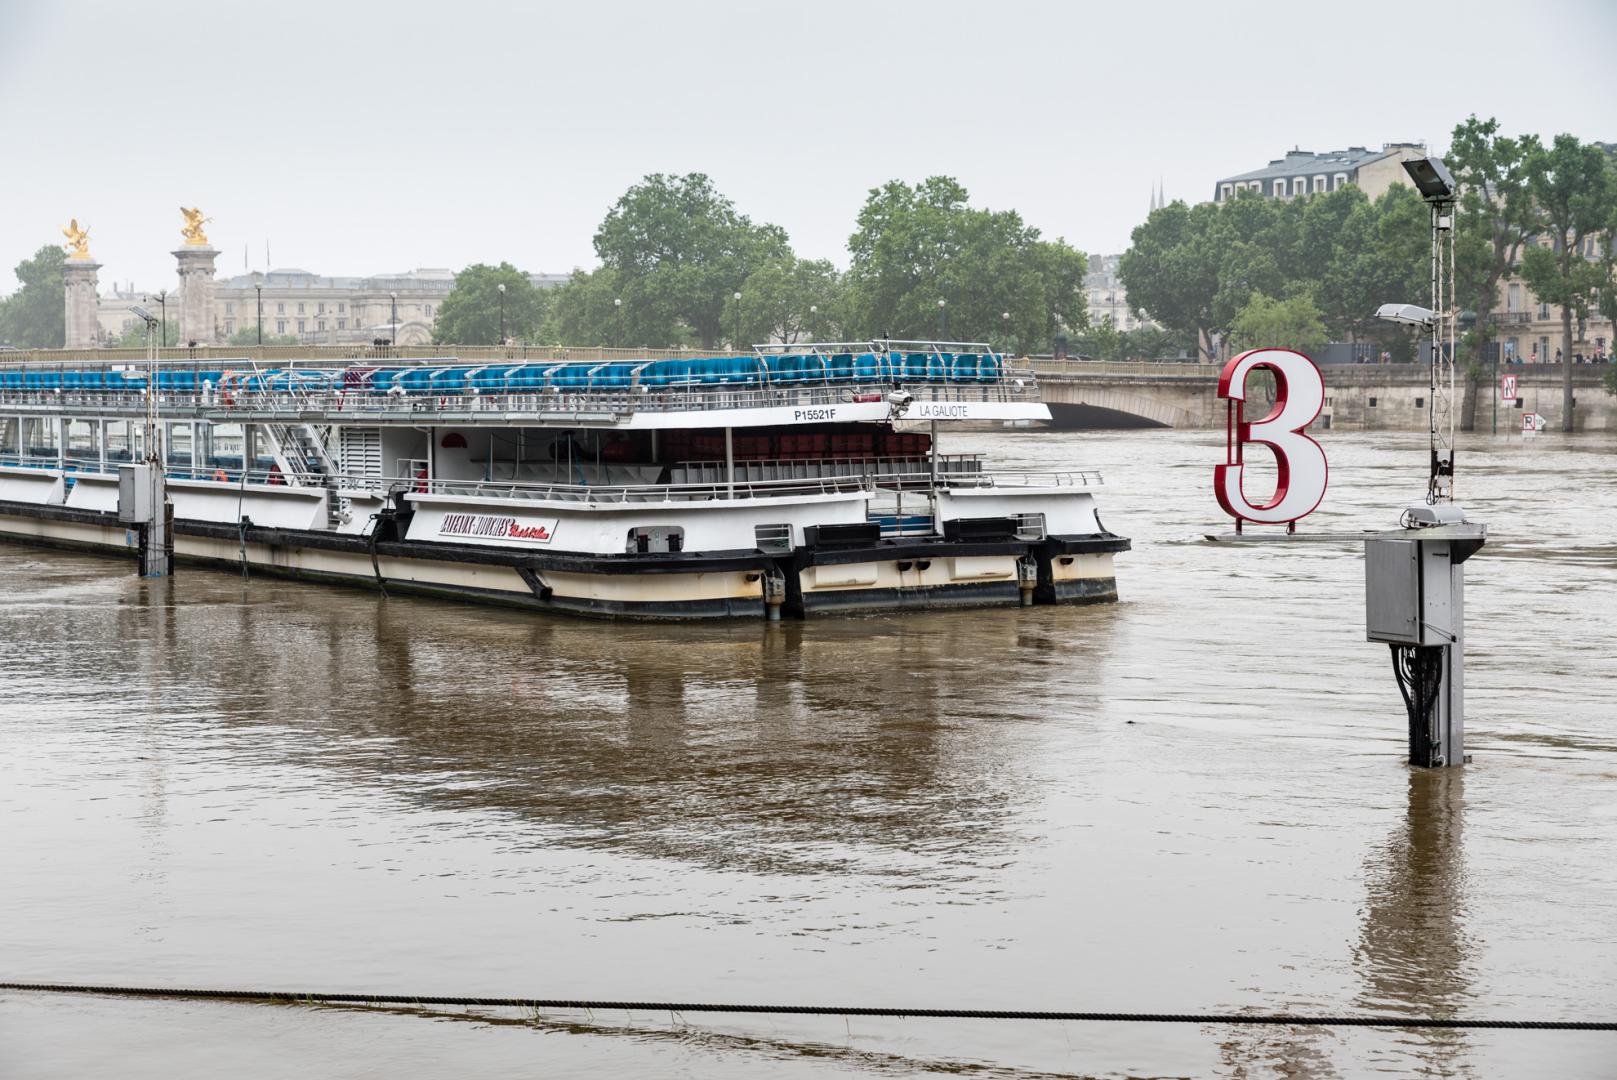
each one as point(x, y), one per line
point(78, 240)
point(194, 236)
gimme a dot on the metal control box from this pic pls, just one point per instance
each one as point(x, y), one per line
point(134, 494)
point(1409, 587)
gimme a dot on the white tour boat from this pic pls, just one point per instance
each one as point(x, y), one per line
point(797, 480)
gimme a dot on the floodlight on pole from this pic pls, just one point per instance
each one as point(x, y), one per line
point(1406, 315)
point(1436, 185)
point(1431, 178)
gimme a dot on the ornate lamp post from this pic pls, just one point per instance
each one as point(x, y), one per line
point(943, 320)
point(737, 298)
point(258, 287)
point(393, 319)
point(501, 288)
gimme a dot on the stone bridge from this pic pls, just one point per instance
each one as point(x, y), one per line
point(1390, 397)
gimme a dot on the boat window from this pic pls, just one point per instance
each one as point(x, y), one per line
point(178, 442)
point(773, 537)
point(651, 538)
point(39, 436)
point(1029, 526)
point(81, 439)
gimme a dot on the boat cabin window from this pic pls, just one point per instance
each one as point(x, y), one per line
point(651, 538)
point(81, 440)
point(773, 537)
point(177, 440)
point(39, 436)
point(1029, 526)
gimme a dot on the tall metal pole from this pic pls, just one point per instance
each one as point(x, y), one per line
point(260, 288)
point(1440, 403)
point(393, 319)
point(1496, 389)
point(502, 312)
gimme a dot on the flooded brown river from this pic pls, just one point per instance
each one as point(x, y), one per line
point(1194, 800)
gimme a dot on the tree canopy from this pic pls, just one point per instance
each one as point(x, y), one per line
point(997, 279)
point(1266, 323)
point(1574, 193)
point(680, 251)
point(470, 314)
point(35, 316)
point(1197, 269)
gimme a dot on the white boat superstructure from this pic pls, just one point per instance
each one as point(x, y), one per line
point(792, 481)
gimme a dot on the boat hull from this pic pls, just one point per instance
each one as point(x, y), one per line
point(924, 575)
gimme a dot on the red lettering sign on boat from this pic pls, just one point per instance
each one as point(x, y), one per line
point(491, 527)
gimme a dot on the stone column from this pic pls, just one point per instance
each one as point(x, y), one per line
point(79, 280)
point(196, 293)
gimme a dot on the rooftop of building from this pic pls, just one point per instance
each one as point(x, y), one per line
point(1299, 162)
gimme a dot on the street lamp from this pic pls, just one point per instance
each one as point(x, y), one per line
point(814, 311)
point(617, 321)
point(393, 319)
point(501, 288)
point(162, 303)
point(1005, 328)
point(258, 286)
point(737, 298)
point(943, 320)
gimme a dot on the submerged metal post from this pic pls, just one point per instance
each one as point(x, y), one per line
point(143, 503)
point(1415, 603)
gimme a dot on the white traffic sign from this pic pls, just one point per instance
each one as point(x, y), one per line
point(1507, 388)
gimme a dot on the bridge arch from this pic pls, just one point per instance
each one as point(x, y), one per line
point(1085, 405)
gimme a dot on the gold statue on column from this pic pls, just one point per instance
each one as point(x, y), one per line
point(78, 240)
point(194, 236)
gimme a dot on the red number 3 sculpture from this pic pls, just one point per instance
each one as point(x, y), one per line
point(1299, 460)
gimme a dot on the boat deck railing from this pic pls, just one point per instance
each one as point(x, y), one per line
point(869, 483)
point(599, 404)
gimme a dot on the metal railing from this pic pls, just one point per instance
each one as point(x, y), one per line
point(316, 355)
point(1044, 368)
point(558, 402)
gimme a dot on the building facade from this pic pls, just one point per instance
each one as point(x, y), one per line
point(1529, 331)
point(313, 308)
point(1106, 297)
point(1302, 172)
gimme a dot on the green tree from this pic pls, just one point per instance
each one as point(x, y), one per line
point(1101, 341)
point(788, 300)
point(470, 314)
point(1493, 220)
point(1575, 195)
point(35, 316)
point(135, 336)
point(916, 246)
point(1267, 323)
point(1172, 267)
point(680, 251)
point(248, 335)
point(590, 309)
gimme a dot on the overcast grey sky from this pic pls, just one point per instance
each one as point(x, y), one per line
point(361, 139)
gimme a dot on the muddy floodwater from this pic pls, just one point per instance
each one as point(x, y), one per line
point(1192, 800)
